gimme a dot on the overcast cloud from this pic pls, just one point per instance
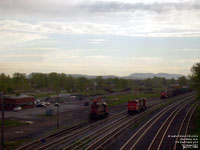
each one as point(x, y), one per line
point(106, 33)
point(68, 8)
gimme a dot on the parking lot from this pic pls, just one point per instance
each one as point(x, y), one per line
point(38, 112)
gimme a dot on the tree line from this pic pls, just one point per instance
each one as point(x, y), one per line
point(20, 82)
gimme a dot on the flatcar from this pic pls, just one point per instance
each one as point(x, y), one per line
point(98, 110)
point(138, 105)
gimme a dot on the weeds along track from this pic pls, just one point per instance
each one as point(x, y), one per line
point(52, 136)
point(63, 135)
point(86, 130)
point(103, 135)
point(108, 137)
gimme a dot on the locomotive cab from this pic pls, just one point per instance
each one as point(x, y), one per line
point(135, 106)
point(98, 110)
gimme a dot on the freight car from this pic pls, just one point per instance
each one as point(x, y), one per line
point(138, 105)
point(174, 91)
point(98, 110)
point(166, 94)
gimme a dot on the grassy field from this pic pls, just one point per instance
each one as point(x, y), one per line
point(13, 144)
point(93, 92)
point(42, 95)
point(120, 99)
point(13, 123)
point(86, 93)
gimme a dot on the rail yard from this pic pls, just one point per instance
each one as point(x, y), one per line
point(100, 75)
point(158, 126)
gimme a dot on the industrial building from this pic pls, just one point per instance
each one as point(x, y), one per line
point(10, 102)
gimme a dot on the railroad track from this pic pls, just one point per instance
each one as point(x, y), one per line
point(106, 139)
point(161, 133)
point(87, 130)
point(83, 141)
point(49, 137)
point(183, 129)
point(53, 139)
point(117, 128)
point(69, 131)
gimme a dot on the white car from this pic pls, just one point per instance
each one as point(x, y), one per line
point(47, 103)
point(17, 109)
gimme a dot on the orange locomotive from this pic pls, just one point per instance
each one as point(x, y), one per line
point(98, 109)
point(137, 105)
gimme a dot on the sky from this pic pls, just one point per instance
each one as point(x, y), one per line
point(99, 37)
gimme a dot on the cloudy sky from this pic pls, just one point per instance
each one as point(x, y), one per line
point(99, 37)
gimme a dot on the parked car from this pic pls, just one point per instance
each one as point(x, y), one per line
point(47, 103)
point(86, 104)
point(17, 109)
point(40, 105)
point(56, 104)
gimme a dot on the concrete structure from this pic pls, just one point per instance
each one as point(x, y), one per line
point(10, 102)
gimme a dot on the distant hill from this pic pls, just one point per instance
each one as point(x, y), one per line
point(151, 75)
point(131, 76)
point(92, 76)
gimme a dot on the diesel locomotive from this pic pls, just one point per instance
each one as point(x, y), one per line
point(98, 109)
point(138, 105)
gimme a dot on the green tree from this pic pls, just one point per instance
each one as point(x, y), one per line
point(99, 82)
point(38, 80)
point(70, 84)
point(182, 81)
point(20, 81)
point(53, 81)
point(82, 83)
point(195, 77)
point(5, 83)
point(148, 83)
point(157, 82)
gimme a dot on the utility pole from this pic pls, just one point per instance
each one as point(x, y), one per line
point(57, 105)
point(2, 121)
point(58, 124)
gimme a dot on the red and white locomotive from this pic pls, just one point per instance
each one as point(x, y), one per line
point(98, 109)
point(137, 105)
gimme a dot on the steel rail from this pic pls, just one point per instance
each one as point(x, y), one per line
point(91, 135)
point(161, 141)
point(162, 127)
point(64, 138)
point(181, 126)
point(188, 122)
point(110, 135)
point(38, 141)
point(147, 126)
point(78, 132)
point(100, 131)
point(65, 131)
point(76, 145)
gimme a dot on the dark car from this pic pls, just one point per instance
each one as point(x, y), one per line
point(40, 105)
point(56, 104)
point(86, 104)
